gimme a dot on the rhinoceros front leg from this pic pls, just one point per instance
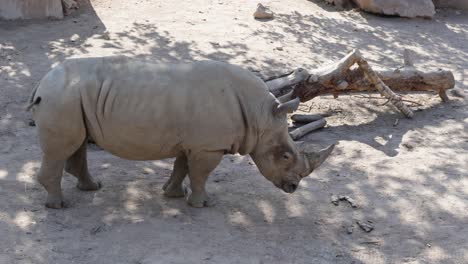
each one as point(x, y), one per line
point(174, 186)
point(77, 166)
point(50, 176)
point(200, 166)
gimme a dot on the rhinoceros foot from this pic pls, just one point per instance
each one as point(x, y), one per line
point(55, 202)
point(200, 200)
point(175, 191)
point(89, 186)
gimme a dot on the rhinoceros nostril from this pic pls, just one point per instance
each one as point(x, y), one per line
point(289, 187)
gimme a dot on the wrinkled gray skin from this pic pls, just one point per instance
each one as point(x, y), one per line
point(143, 111)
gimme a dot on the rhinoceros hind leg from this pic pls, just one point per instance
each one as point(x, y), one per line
point(77, 166)
point(50, 176)
point(174, 186)
point(200, 166)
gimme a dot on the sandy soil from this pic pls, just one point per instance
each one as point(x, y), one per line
point(410, 180)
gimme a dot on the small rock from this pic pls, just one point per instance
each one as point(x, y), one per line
point(335, 200)
point(263, 12)
point(97, 229)
point(349, 229)
point(279, 48)
point(366, 226)
point(74, 37)
point(106, 36)
point(409, 146)
point(31, 123)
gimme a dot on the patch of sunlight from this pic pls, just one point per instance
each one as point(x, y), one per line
point(23, 220)
point(131, 203)
point(135, 219)
point(364, 255)
point(379, 212)
point(456, 28)
point(267, 210)
point(112, 216)
point(163, 164)
point(55, 64)
point(27, 172)
point(170, 212)
point(3, 174)
point(147, 170)
point(436, 254)
point(451, 201)
point(460, 184)
point(25, 72)
point(293, 206)
point(6, 119)
point(239, 218)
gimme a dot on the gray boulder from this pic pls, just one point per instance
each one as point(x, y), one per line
point(26, 9)
point(403, 8)
point(458, 4)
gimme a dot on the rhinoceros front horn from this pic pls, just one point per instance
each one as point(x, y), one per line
point(317, 158)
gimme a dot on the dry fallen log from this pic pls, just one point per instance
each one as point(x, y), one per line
point(305, 129)
point(339, 78)
point(305, 118)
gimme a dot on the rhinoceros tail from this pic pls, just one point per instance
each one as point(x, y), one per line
point(33, 101)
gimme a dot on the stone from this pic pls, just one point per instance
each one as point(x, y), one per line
point(403, 8)
point(29, 9)
point(263, 12)
point(68, 6)
point(340, 3)
point(367, 226)
point(457, 4)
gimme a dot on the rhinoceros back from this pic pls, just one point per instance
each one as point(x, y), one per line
point(141, 110)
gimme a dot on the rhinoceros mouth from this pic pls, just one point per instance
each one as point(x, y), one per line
point(289, 187)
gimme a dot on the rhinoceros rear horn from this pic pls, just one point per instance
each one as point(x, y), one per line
point(287, 107)
point(317, 158)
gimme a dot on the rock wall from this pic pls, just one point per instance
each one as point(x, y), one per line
point(26, 9)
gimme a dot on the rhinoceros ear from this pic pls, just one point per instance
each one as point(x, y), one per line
point(286, 107)
point(317, 158)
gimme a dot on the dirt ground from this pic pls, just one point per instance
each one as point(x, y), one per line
point(409, 180)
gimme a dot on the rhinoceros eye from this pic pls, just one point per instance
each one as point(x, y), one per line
point(287, 156)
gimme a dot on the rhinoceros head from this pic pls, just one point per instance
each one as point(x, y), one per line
point(279, 159)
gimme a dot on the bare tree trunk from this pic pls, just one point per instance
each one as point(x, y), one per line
point(339, 78)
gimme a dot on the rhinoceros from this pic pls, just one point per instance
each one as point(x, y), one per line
point(140, 110)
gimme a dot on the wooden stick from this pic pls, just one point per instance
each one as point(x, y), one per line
point(305, 118)
point(382, 88)
point(303, 130)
